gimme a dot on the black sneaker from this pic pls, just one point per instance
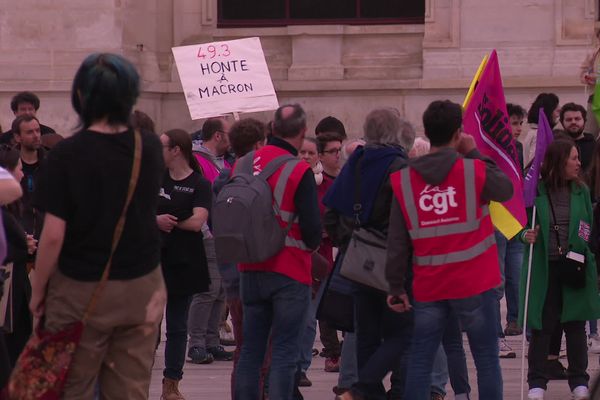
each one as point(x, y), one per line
point(303, 380)
point(198, 355)
point(220, 354)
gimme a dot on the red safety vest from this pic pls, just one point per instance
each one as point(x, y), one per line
point(454, 248)
point(294, 260)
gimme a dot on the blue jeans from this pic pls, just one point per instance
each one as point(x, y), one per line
point(439, 375)
point(456, 358)
point(307, 340)
point(512, 272)
point(477, 317)
point(456, 362)
point(510, 257)
point(277, 305)
point(501, 243)
point(176, 317)
point(348, 368)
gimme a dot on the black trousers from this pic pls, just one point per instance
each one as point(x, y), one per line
point(383, 340)
point(329, 338)
point(539, 345)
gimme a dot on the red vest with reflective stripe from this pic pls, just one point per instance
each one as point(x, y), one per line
point(454, 248)
point(294, 260)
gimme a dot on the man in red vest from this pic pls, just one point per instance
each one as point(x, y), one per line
point(276, 292)
point(440, 228)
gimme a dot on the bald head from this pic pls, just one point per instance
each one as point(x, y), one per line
point(287, 112)
point(289, 122)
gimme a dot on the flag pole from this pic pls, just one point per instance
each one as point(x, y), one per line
point(526, 307)
point(474, 81)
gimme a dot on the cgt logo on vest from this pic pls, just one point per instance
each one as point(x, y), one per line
point(432, 198)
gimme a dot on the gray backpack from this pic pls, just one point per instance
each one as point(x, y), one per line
point(245, 227)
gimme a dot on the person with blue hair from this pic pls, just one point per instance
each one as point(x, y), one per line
point(82, 190)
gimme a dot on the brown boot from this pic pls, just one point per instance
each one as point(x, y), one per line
point(170, 391)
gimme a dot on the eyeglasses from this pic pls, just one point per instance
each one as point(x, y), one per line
point(332, 151)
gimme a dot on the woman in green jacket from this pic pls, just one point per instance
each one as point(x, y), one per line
point(563, 229)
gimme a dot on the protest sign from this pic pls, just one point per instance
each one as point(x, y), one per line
point(225, 77)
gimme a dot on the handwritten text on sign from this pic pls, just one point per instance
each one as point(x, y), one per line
point(224, 77)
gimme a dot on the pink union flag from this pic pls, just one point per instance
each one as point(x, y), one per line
point(486, 119)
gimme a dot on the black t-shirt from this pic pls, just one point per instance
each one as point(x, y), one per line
point(183, 258)
point(84, 181)
point(585, 147)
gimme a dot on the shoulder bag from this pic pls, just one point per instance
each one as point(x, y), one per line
point(42, 368)
point(365, 257)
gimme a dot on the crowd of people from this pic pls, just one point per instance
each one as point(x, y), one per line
point(423, 201)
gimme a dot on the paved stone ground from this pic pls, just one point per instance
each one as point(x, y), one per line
point(202, 382)
point(212, 382)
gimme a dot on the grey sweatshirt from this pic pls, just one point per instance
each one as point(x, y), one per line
point(434, 168)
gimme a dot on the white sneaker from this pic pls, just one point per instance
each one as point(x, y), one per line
point(226, 334)
point(536, 394)
point(594, 344)
point(581, 393)
point(505, 351)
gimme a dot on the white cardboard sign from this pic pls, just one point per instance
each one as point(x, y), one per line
point(225, 77)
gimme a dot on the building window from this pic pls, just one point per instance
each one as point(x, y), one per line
point(239, 13)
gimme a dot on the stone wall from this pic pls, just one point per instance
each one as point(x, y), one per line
point(333, 70)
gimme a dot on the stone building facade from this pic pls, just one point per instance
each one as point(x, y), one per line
point(340, 70)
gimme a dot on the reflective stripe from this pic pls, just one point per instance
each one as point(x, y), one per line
point(286, 216)
point(469, 168)
point(452, 229)
point(299, 244)
point(288, 168)
point(409, 198)
point(457, 256)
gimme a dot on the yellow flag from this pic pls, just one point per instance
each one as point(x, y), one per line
point(475, 80)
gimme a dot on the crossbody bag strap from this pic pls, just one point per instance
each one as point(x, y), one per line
point(357, 208)
point(555, 226)
point(135, 173)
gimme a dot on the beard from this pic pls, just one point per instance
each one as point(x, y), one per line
point(31, 146)
point(575, 134)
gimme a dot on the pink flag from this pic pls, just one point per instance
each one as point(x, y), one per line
point(486, 119)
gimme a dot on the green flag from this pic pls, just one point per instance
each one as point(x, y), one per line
point(596, 101)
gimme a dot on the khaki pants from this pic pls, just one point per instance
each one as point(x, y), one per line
point(118, 341)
